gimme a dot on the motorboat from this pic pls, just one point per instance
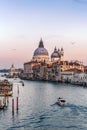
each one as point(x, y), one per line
point(61, 101)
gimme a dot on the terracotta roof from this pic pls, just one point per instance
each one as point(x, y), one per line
point(74, 70)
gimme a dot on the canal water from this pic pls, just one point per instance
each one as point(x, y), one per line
point(38, 108)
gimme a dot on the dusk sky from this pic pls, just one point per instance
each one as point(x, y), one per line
point(60, 23)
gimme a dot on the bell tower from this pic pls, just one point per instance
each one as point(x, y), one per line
point(62, 54)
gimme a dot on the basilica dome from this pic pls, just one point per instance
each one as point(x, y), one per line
point(41, 50)
point(55, 54)
point(41, 53)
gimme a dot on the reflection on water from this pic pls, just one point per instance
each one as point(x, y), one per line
point(38, 108)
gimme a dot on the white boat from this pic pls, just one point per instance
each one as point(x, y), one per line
point(61, 101)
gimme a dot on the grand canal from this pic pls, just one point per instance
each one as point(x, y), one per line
point(38, 109)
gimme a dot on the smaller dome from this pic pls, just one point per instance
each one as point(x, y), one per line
point(55, 54)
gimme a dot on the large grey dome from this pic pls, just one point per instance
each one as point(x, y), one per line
point(41, 50)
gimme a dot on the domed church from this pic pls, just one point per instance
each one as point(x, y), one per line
point(57, 55)
point(41, 53)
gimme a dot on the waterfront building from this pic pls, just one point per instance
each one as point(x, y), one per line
point(66, 76)
point(85, 69)
point(76, 65)
point(49, 72)
point(79, 79)
point(13, 71)
point(42, 71)
point(55, 68)
point(64, 65)
point(30, 69)
point(36, 71)
point(56, 71)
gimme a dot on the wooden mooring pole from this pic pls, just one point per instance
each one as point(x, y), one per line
point(17, 103)
point(12, 106)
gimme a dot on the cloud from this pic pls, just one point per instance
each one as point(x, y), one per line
point(81, 1)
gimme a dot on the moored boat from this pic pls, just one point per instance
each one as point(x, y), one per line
point(1, 105)
point(10, 93)
point(6, 88)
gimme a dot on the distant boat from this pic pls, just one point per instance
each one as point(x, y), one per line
point(22, 83)
point(61, 101)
